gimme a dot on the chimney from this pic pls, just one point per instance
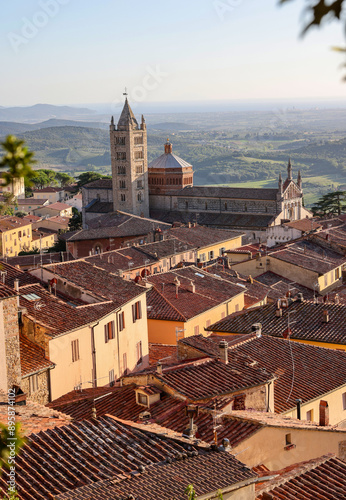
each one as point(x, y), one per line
point(191, 411)
point(300, 297)
point(159, 367)
point(192, 287)
point(324, 413)
point(16, 287)
point(189, 224)
point(223, 351)
point(257, 328)
point(299, 404)
point(325, 316)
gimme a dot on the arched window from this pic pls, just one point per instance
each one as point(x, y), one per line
point(225, 206)
point(139, 196)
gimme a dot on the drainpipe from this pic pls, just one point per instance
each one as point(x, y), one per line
point(299, 404)
point(117, 323)
point(93, 353)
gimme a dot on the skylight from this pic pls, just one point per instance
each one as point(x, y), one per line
point(31, 296)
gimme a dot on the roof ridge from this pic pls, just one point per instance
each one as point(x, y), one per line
point(168, 302)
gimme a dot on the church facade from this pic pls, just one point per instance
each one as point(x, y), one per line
point(164, 189)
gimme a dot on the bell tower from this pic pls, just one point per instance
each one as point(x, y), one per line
point(129, 163)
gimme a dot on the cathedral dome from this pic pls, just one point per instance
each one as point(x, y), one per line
point(169, 160)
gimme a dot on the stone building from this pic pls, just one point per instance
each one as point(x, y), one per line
point(164, 188)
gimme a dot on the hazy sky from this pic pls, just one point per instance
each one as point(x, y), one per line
point(87, 51)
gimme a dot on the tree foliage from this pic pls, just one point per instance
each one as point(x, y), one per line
point(17, 160)
point(330, 204)
point(64, 179)
point(87, 177)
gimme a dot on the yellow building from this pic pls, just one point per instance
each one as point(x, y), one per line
point(90, 344)
point(210, 243)
point(15, 235)
point(185, 301)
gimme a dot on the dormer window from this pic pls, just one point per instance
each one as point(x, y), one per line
point(147, 395)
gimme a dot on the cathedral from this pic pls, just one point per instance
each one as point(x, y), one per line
point(164, 190)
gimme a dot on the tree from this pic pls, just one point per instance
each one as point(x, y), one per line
point(17, 159)
point(64, 179)
point(76, 221)
point(87, 177)
point(44, 177)
point(7, 206)
point(330, 204)
point(321, 11)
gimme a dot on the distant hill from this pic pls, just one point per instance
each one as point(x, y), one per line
point(18, 128)
point(41, 112)
point(14, 128)
point(172, 126)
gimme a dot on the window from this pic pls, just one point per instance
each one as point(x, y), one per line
point(140, 184)
point(210, 255)
point(202, 257)
point(136, 311)
point(122, 184)
point(121, 170)
point(142, 399)
point(120, 141)
point(139, 169)
point(138, 139)
point(139, 352)
point(139, 196)
point(33, 383)
point(288, 439)
point(222, 251)
point(111, 377)
point(337, 273)
point(139, 155)
point(344, 401)
point(19, 234)
point(196, 330)
point(310, 415)
point(225, 206)
point(122, 197)
point(121, 156)
point(75, 350)
point(121, 321)
point(109, 331)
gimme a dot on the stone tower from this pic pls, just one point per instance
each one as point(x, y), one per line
point(129, 164)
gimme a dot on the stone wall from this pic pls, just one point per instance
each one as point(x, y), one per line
point(227, 205)
point(41, 395)
point(9, 310)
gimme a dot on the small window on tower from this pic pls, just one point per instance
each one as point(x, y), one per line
point(121, 156)
point(122, 197)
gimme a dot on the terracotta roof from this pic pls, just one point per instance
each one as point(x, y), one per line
point(278, 286)
point(309, 255)
point(161, 351)
point(166, 481)
point(12, 273)
point(219, 220)
point(210, 291)
point(8, 222)
point(48, 189)
point(320, 478)
point(99, 184)
point(307, 323)
point(32, 218)
point(98, 281)
point(229, 192)
point(99, 207)
point(275, 355)
point(33, 417)
point(117, 225)
point(32, 261)
point(117, 401)
point(115, 260)
point(32, 357)
point(82, 453)
point(207, 378)
point(334, 235)
point(6, 292)
point(201, 237)
point(31, 201)
point(58, 206)
point(57, 315)
point(166, 248)
point(304, 225)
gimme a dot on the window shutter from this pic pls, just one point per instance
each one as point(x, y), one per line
point(133, 312)
point(139, 310)
point(113, 330)
point(106, 334)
